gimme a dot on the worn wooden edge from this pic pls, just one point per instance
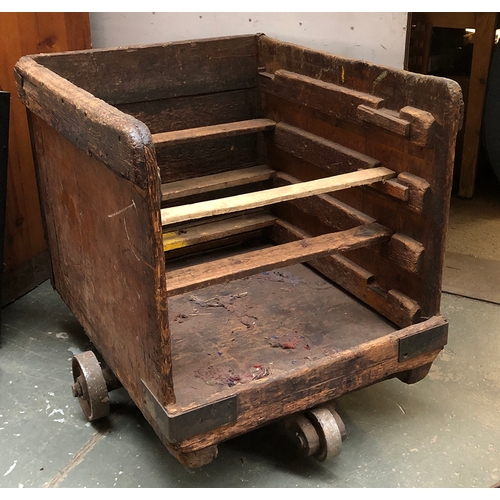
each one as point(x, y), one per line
point(385, 119)
point(330, 378)
point(92, 125)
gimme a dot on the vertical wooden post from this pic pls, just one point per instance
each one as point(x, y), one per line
point(484, 38)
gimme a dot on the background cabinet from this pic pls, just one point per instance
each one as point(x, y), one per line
point(26, 262)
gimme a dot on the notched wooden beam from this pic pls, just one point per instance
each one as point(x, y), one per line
point(395, 306)
point(422, 125)
point(419, 193)
point(325, 208)
point(384, 118)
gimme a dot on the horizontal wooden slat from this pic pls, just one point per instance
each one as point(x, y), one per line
point(213, 131)
point(214, 182)
point(319, 151)
point(267, 197)
point(325, 208)
point(329, 98)
point(202, 233)
point(224, 270)
point(395, 306)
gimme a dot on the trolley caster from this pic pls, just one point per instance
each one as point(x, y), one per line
point(90, 385)
point(319, 432)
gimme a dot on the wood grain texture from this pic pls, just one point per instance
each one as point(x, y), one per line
point(161, 71)
point(385, 119)
point(24, 246)
point(274, 195)
point(93, 126)
point(214, 182)
point(118, 291)
point(198, 134)
point(434, 166)
point(196, 234)
point(481, 57)
point(224, 270)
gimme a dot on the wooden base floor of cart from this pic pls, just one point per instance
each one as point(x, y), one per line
point(255, 349)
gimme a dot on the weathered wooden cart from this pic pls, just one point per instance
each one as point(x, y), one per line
point(179, 183)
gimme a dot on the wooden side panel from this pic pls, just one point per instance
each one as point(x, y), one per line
point(413, 132)
point(116, 287)
point(161, 71)
point(25, 258)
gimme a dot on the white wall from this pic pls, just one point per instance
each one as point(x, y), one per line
point(379, 38)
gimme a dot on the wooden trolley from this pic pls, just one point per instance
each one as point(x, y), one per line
point(184, 186)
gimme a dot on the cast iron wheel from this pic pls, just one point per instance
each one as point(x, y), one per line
point(319, 432)
point(90, 386)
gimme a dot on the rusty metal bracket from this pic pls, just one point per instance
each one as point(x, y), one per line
point(177, 427)
point(423, 342)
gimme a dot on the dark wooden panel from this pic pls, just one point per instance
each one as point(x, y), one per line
point(163, 115)
point(161, 71)
point(210, 157)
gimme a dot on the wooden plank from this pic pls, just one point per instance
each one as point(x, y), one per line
point(325, 208)
point(159, 71)
point(393, 188)
point(319, 151)
point(203, 233)
point(213, 131)
point(385, 118)
point(484, 38)
point(262, 198)
point(329, 98)
point(214, 182)
point(224, 270)
point(24, 33)
point(460, 20)
point(179, 162)
point(394, 305)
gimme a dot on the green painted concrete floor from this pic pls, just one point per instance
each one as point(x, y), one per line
point(442, 432)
